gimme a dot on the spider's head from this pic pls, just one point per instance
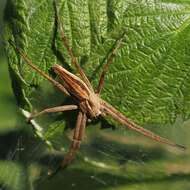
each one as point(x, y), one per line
point(92, 105)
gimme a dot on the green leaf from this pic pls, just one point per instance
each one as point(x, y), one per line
point(12, 176)
point(149, 79)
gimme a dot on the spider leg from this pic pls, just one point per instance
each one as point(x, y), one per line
point(77, 138)
point(53, 110)
point(118, 116)
point(29, 62)
point(65, 41)
point(108, 63)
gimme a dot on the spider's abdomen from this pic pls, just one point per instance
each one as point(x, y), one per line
point(74, 85)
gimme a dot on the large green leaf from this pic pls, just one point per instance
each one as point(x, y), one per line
point(149, 79)
point(12, 176)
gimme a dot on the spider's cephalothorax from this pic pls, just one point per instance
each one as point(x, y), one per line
point(91, 106)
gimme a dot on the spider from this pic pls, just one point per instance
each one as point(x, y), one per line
point(88, 101)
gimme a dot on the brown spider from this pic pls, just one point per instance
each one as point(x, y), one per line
point(89, 102)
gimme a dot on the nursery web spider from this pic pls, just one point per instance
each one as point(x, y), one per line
point(88, 101)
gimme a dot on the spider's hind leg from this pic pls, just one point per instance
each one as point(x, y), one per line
point(65, 41)
point(110, 58)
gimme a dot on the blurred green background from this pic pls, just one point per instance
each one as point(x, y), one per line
point(109, 159)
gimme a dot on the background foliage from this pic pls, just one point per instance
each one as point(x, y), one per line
point(148, 81)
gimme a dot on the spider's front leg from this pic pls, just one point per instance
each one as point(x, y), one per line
point(77, 138)
point(108, 110)
point(53, 110)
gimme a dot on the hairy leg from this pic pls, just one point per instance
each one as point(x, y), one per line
point(77, 138)
point(108, 63)
point(70, 51)
point(29, 62)
point(118, 116)
point(53, 110)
